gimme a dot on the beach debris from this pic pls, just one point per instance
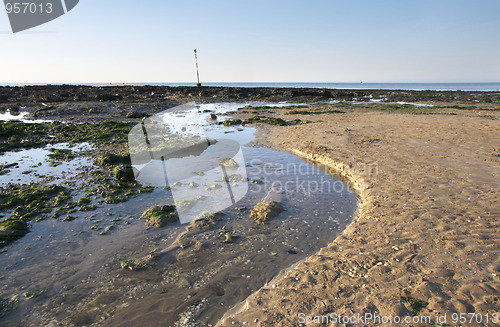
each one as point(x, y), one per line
point(265, 211)
point(160, 215)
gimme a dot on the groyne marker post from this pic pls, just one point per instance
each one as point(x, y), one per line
point(197, 72)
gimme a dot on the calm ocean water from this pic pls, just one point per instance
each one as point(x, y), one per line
point(379, 86)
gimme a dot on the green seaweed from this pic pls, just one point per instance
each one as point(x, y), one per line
point(4, 169)
point(110, 159)
point(266, 120)
point(315, 112)
point(124, 173)
point(28, 202)
point(137, 114)
point(61, 154)
point(416, 304)
point(160, 215)
point(15, 135)
point(27, 196)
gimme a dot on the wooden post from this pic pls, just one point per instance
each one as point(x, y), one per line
point(197, 72)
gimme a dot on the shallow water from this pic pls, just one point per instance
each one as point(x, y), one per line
point(21, 116)
point(73, 268)
point(33, 165)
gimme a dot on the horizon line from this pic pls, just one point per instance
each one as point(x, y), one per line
point(194, 83)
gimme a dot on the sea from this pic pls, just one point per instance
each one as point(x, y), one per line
point(359, 86)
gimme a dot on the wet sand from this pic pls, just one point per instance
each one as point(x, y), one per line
point(80, 278)
point(427, 229)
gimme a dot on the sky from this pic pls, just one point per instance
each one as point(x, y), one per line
point(124, 41)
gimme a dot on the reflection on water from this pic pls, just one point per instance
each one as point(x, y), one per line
point(34, 165)
point(21, 116)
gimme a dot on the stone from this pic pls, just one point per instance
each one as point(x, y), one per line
point(124, 173)
point(160, 215)
point(263, 212)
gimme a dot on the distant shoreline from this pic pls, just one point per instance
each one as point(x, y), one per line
point(485, 87)
point(33, 98)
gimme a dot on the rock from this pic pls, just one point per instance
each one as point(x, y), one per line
point(83, 201)
point(183, 282)
point(160, 215)
point(228, 163)
point(136, 114)
point(214, 187)
point(213, 116)
point(69, 218)
point(109, 159)
point(218, 290)
point(107, 230)
point(193, 185)
point(265, 211)
point(229, 238)
point(124, 173)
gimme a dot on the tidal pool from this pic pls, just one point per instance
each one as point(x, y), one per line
point(69, 273)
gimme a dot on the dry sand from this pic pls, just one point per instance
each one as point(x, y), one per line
point(428, 226)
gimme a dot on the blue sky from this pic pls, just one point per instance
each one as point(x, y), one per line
point(259, 41)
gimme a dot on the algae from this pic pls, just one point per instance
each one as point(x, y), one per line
point(160, 215)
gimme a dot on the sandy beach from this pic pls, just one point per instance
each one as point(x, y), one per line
point(427, 230)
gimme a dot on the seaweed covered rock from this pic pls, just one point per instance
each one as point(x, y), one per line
point(124, 173)
point(137, 114)
point(265, 211)
point(110, 159)
point(266, 120)
point(231, 122)
point(160, 215)
point(146, 262)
